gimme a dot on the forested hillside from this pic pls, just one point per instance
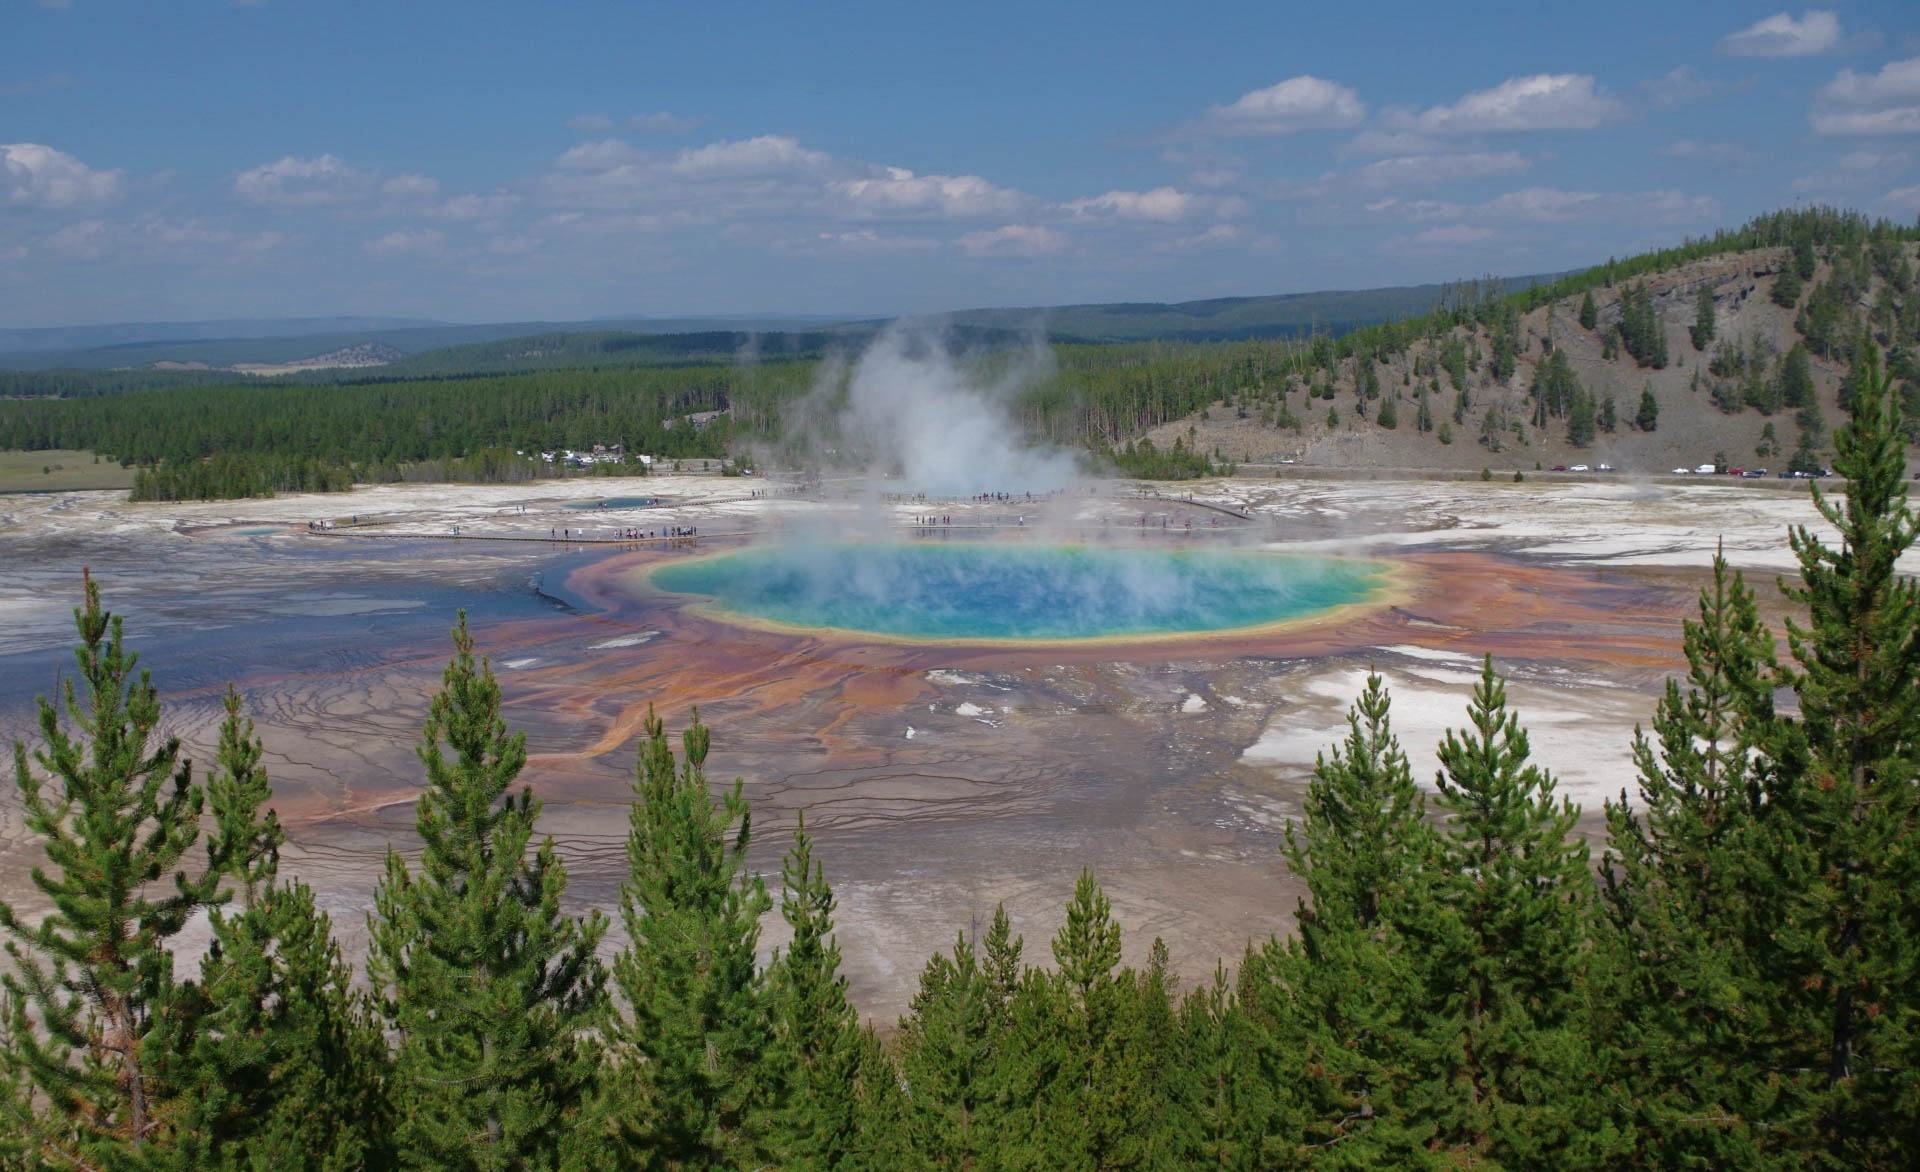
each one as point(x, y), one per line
point(1738, 349)
point(1736, 985)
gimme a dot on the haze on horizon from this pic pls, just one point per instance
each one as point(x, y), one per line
point(459, 163)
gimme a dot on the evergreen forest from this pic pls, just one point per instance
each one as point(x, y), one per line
point(474, 413)
point(1733, 982)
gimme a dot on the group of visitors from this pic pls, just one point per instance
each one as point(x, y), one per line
point(628, 534)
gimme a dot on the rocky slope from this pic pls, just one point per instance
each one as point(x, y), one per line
point(1700, 417)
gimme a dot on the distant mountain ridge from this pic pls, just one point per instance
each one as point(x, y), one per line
point(60, 338)
point(283, 348)
point(1220, 319)
point(288, 341)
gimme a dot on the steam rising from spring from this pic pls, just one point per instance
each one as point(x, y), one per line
point(914, 408)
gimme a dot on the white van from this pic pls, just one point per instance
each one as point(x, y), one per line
point(1705, 470)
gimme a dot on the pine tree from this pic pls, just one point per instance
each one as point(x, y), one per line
point(953, 1058)
point(692, 1089)
point(1580, 419)
point(1098, 1107)
point(282, 1068)
point(1703, 319)
point(1796, 378)
point(1813, 431)
point(1834, 935)
point(1647, 418)
point(89, 983)
point(1388, 417)
point(1221, 1110)
point(816, 1043)
point(1786, 287)
point(489, 988)
point(1344, 995)
point(1589, 313)
point(1675, 887)
point(1508, 964)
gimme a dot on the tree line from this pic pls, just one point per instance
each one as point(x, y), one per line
point(260, 438)
point(1735, 985)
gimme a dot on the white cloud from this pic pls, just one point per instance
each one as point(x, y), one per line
point(410, 187)
point(602, 155)
point(1817, 31)
point(1296, 104)
point(1014, 240)
point(1374, 141)
point(1407, 172)
point(1451, 236)
point(1417, 210)
point(1557, 101)
point(899, 192)
point(1723, 153)
point(513, 245)
point(1543, 205)
point(662, 122)
point(1887, 102)
point(868, 241)
point(1547, 205)
point(1166, 205)
point(193, 236)
point(33, 175)
point(1896, 83)
point(479, 207)
point(771, 179)
point(1423, 170)
point(1217, 237)
point(1679, 86)
point(407, 242)
point(768, 154)
point(1214, 177)
point(1856, 170)
point(298, 182)
point(1899, 120)
point(1901, 199)
point(85, 239)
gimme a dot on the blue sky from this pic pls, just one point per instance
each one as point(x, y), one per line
point(501, 161)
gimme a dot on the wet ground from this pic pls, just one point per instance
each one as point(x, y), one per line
point(939, 781)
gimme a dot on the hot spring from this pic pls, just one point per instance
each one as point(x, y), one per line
point(945, 592)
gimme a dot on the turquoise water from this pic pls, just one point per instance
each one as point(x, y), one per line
point(1010, 592)
point(615, 502)
point(256, 532)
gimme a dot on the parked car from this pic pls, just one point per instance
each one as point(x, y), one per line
point(1754, 473)
point(1609, 468)
point(1706, 470)
point(1579, 468)
point(1736, 472)
point(1558, 468)
point(1681, 471)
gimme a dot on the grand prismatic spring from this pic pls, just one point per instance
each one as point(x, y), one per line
point(963, 720)
point(966, 592)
